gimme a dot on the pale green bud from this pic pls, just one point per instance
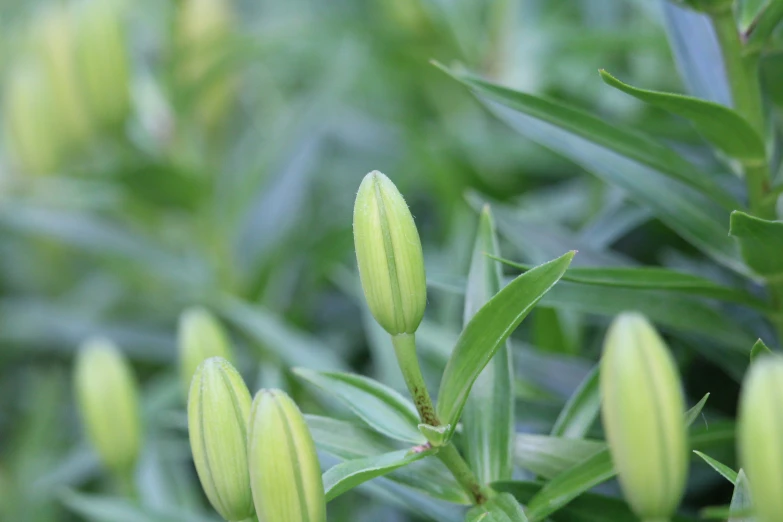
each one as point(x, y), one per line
point(107, 396)
point(200, 337)
point(760, 440)
point(388, 251)
point(218, 413)
point(103, 61)
point(284, 469)
point(642, 411)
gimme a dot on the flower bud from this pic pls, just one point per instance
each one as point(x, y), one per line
point(284, 469)
point(218, 412)
point(201, 336)
point(107, 397)
point(103, 61)
point(388, 251)
point(760, 444)
point(642, 411)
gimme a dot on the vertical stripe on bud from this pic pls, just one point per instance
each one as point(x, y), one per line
point(642, 411)
point(284, 469)
point(107, 397)
point(760, 437)
point(200, 337)
point(389, 255)
point(218, 412)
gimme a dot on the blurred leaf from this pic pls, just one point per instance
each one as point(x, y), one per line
point(501, 508)
point(724, 128)
point(581, 410)
point(382, 408)
point(760, 242)
point(488, 418)
point(759, 349)
point(741, 500)
point(572, 133)
point(112, 509)
point(349, 474)
point(548, 456)
point(725, 471)
point(488, 330)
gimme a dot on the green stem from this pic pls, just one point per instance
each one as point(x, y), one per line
point(405, 348)
point(449, 455)
point(126, 484)
point(762, 28)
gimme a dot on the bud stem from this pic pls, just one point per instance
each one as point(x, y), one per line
point(126, 484)
point(449, 455)
point(405, 348)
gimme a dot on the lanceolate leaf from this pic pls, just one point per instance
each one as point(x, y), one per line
point(760, 242)
point(380, 407)
point(603, 150)
point(759, 349)
point(741, 501)
point(581, 410)
point(547, 456)
point(349, 474)
point(488, 420)
point(725, 471)
point(692, 414)
point(724, 128)
point(488, 331)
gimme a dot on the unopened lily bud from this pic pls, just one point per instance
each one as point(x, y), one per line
point(218, 413)
point(388, 251)
point(108, 399)
point(284, 469)
point(642, 412)
point(759, 438)
point(200, 337)
point(103, 61)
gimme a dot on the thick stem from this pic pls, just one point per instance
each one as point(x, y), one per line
point(405, 348)
point(449, 455)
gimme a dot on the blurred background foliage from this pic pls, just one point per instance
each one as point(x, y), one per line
point(162, 154)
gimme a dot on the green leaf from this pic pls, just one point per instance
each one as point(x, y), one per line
point(741, 500)
point(488, 419)
point(693, 413)
point(724, 128)
point(725, 471)
point(349, 474)
point(760, 242)
point(654, 278)
point(488, 331)
point(759, 349)
point(501, 508)
point(547, 456)
point(380, 407)
point(621, 158)
point(581, 409)
point(113, 509)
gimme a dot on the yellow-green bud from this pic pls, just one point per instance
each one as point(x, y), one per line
point(642, 412)
point(760, 442)
point(388, 251)
point(107, 396)
point(103, 61)
point(200, 337)
point(284, 469)
point(218, 413)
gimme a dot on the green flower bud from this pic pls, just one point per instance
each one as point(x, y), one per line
point(760, 444)
point(388, 251)
point(103, 61)
point(218, 412)
point(201, 336)
point(642, 411)
point(284, 469)
point(106, 393)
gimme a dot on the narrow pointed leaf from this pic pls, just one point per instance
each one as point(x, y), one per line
point(725, 471)
point(759, 349)
point(380, 407)
point(547, 456)
point(721, 126)
point(760, 242)
point(741, 500)
point(581, 409)
point(488, 419)
point(488, 331)
point(692, 414)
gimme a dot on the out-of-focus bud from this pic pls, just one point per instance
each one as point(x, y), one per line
point(218, 413)
point(759, 438)
point(203, 29)
point(103, 61)
point(108, 399)
point(642, 411)
point(54, 40)
point(30, 126)
point(284, 469)
point(201, 336)
point(388, 251)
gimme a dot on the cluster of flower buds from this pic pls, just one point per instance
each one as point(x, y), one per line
point(643, 417)
point(253, 458)
point(70, 81)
